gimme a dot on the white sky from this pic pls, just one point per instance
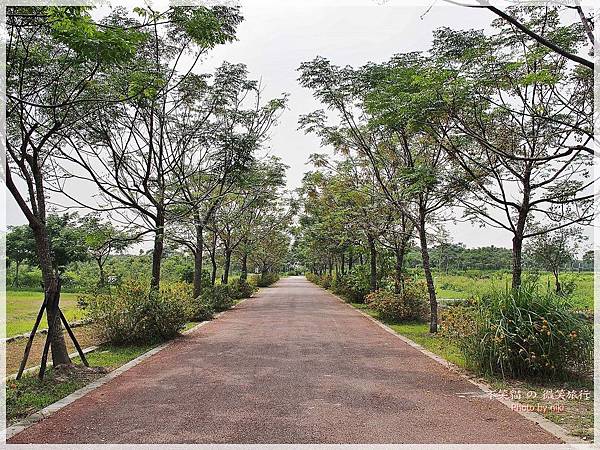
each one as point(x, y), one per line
point(276, 36)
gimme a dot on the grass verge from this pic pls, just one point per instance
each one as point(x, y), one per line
point(28, 395)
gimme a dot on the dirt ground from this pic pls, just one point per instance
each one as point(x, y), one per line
point(15, 349)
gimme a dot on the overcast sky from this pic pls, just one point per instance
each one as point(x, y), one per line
point(276, 36)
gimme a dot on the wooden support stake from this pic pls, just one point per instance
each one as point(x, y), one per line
point(73, 338)
point(30, 341)
point(44, 356)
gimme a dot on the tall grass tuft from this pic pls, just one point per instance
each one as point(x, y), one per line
point(527, 333)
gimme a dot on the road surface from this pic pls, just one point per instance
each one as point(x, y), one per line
point(293, 365)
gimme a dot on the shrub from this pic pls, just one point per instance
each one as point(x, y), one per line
point(358, 284)
point(217, 297)
point(240, 289)
point(408, 305)
point(339, 285)
point(134, 314)
point(312, 277)
point(199, 310)
point(265, 279)
point(325, 281)
point(456, 321)
point(525, 333)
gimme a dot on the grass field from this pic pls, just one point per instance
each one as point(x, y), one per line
point(469, 285)
point(22, 308)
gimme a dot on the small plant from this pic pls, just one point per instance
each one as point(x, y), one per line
point(527, 332)
point(134, 314)
point(408, 305)
point(325, 281)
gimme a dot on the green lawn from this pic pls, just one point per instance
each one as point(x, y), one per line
point(466, 286)
point(22, 308)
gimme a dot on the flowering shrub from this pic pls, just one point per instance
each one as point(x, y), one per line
point(527, 333)
point(410, 304)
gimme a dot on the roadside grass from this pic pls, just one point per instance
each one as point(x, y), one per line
point(577, 417)
point(28, 395)
point(22, 308)
point(464, 286)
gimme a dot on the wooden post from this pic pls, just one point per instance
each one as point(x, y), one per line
point(30, 341)
point(72, 336)
point(44, 356)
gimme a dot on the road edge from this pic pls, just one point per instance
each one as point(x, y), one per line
point(538, 419)
point(36, 417)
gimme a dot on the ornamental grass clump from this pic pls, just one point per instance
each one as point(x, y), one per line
point(527, 333)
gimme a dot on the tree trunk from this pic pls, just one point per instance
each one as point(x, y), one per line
point(330, 262)
point(399, 251)
point(226, 266)
point(343, 263)
point(373, 263)
point(244, 261)
point(157, 251)
point(557, 282)
point(102, 278)
point(428, 276)
point(517, 242)
point(60, 355)
point(213, 261)
point(350, 260)
point(16, 280)
point(198, 254)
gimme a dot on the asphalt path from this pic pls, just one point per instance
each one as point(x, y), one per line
point(292, 365)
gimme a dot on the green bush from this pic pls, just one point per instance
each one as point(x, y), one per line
point(265, 279)
point(240, 289)
point(408, 305)
point(526, 333)
point(358, 284)
point(325, 281)
point(199, 310)
point(134, 314)
point(217, 298)
point(312, 277)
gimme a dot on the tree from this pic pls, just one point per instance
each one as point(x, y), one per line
point(102, 239)
point(553, 43)
point(42, 107)
point(513, 133)
point(20, 248)
point(234, 122)
point(385, 114)
point(552, 251)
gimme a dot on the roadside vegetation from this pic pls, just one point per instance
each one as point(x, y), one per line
point(427, 137)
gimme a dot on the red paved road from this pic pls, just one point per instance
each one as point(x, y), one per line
point(293, 365)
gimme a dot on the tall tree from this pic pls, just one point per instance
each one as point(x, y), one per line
point(54, 55)
point(521, 124)
point(133, 150)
